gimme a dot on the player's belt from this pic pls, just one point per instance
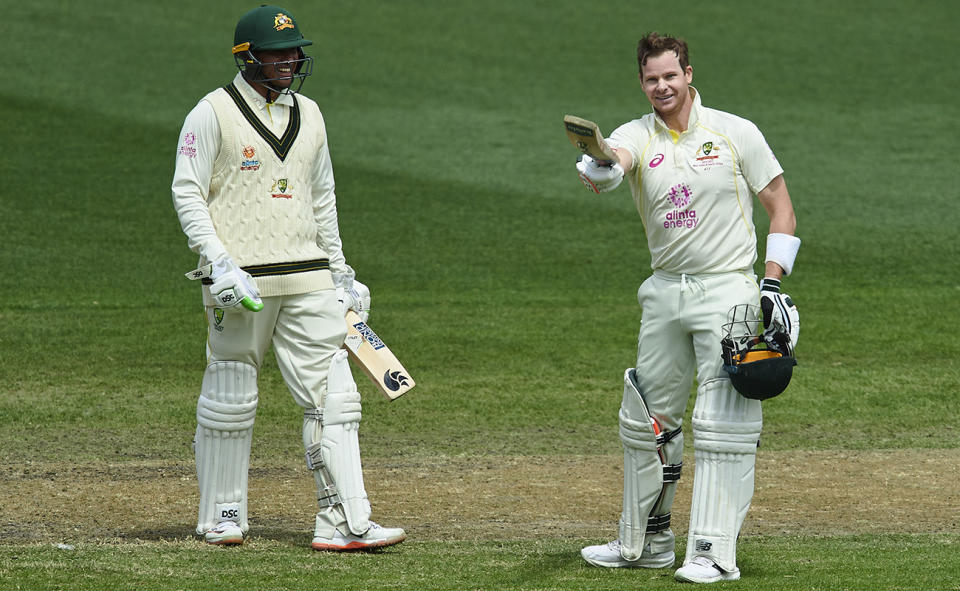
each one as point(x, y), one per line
point(282, 268)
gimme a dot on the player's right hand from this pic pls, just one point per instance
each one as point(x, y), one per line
point(597, 178)
point(233, 286)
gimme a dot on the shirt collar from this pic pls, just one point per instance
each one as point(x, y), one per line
point(694, 113)
point(254, 98)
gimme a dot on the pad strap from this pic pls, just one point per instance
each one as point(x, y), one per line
point(327, 495)
point(671, 472)
point(664, 437)
point(658, 523)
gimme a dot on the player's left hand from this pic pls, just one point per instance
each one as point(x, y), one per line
point(781, 319)
point(356, 298)
point(597, 178)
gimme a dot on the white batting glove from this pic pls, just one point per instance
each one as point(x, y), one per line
point(598, 179)
point(356, 298)
point(232, 286)
point(781, 320)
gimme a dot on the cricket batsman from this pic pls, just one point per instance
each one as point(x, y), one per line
point(693, 172)
point(254, 191)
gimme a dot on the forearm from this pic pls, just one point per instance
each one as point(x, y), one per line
point(783, 221)
point(626, 160)
point(782, 245)
point(773, 270)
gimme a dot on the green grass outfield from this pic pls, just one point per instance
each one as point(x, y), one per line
point(850, 563)
point(506, 288)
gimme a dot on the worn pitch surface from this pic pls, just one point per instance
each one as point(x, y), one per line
point(486, 498)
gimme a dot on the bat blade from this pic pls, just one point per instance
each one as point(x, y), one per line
point(586, 136)
point(368, 351)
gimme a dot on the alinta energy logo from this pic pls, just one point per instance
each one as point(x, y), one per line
point(249, 159)
point(186, 148)
point(682, 216)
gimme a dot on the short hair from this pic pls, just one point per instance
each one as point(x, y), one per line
point(653, 44)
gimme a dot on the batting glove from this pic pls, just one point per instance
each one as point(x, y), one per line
point(356, 298)
point(232, 286)
point(598, 179)
point(781, 320)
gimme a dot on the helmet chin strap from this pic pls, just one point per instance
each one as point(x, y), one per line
point(273, 93)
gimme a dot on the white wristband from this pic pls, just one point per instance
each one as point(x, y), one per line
point(782, 250)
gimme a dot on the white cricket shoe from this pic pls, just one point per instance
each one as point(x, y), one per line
point(703, 570)
point(375, 537)
point(226, 533)
point(608, 555)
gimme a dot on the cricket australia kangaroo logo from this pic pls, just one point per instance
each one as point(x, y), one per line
point(280, 189)
point(707, 156)
point(218, 319)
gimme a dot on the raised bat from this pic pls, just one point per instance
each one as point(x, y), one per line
point(367, 350)
point(586, 136)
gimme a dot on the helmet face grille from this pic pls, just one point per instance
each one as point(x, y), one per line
point(252, 70)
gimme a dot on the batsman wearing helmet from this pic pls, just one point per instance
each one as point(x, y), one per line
point(693, 172)
point(254, 192)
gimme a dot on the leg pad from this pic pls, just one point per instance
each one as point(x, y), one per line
point(225, 414)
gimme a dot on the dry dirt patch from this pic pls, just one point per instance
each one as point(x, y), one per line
point(486, 498)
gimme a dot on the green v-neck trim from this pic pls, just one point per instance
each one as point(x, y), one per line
point(281, 145)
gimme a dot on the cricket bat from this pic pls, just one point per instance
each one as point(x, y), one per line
point(375, 358)
point(586, 136)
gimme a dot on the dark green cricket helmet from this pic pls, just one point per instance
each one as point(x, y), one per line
point(267, 27)
point(270, 28)
point(760, 374)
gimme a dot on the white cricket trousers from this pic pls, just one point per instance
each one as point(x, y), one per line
point(680, 332)
point(305, 331)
